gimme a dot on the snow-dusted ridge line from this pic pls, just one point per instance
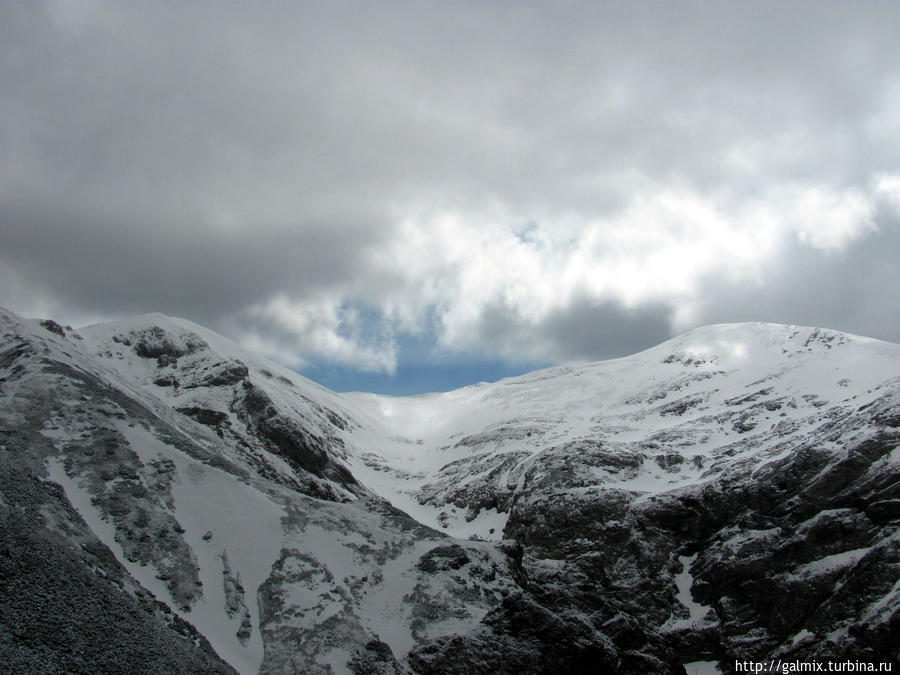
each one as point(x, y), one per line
point(681, 389)
point(417, 439)
point(642, 477)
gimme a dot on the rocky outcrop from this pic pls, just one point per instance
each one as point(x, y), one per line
point(447, 557)
point(222, 374)
point(376, 658)
point(157, 343)
point(286, 438)
point(67, 604)
point(520, 636)
point(235, 604)
point(206, 416)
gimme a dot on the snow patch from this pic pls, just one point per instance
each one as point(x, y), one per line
point(105, 531)
point(832, 563)
point(684, 581)
point(205, 499)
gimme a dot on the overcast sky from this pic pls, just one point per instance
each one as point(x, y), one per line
point(414, 196)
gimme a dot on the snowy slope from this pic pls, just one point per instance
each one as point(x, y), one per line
point(216, 481)
point(301, 530)
point(672, 416)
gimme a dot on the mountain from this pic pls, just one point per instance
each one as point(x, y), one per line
point(173, 503)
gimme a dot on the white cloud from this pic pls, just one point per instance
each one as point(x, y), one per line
point(293, 332)
point(828, 220)
point(660, 250)
point(887, 188)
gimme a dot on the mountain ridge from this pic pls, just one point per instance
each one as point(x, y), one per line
point(642, 512)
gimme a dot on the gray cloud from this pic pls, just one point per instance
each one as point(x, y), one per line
point(270, 165)
point(854, 290)
point(134, 263)
point(585, 330)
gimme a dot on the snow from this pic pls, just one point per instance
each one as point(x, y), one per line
point(388, 616)
point(58, 434)
point(895, 455)
point(803, 636)
point(620, 401)
point(80, 499)
point(337, 659)
point(702, 668)
point(487, 525)
point(684, 581)
point(885, 606)
point(99, 337)
point(832, 563)
point(205, 499)
point(741, 538)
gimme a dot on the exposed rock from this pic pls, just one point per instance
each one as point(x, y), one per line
point(449, 557)
point(166, 360)
point(211, 418)
point(53, 327)
point(669, 461)
point(155, 342)
point(224, 374)
point(520, 636)
point(286, 438)
point(234, 597)
point(884, 511)
point(375, 659)
point(166, 381)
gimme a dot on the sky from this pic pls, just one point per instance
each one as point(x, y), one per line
point(413, 196)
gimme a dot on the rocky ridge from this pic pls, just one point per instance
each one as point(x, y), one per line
point(632, 515)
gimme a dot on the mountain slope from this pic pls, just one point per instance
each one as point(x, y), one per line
point(763, 457)
point(211, 513)
point(675, 415)
point(646, 512)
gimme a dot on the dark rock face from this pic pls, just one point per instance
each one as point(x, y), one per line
point(66, 604)
point(792, 552)
point(283, 436)
point(884, 511)
point(59, 616)
point(376, 659)
point(53, 327)
point(211, 418)
point(564, 466)
point(520, 636)
point(449, 557)
point(234, 597)
point(156, 342)
point(794, 549)
point(166, 381)
point(224, 374)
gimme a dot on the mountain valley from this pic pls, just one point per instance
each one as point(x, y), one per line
point(171, 502)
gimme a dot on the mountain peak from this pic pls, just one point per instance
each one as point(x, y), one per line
point(639, 513)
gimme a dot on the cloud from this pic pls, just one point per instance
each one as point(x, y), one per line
point(328, 332)
point(657, 258)
point(850, 289)
point(506, 180)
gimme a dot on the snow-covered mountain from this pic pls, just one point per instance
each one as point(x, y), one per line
point(733, 493)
